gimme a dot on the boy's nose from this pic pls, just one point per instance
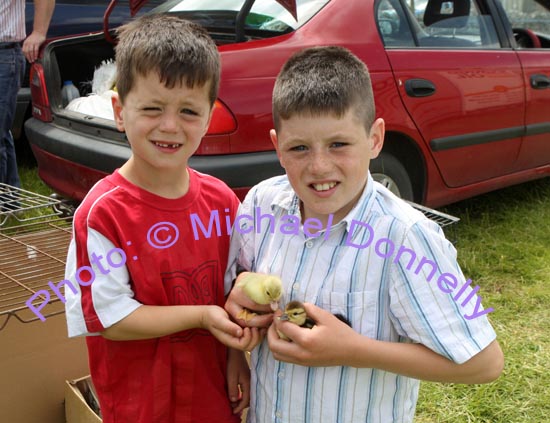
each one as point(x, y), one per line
point(169, 122)
point(320, 164)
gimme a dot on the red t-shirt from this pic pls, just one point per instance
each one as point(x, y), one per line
point(177, 378)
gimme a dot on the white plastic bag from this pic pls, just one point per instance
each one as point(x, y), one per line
point(94, 105)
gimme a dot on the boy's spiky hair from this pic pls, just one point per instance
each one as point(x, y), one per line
point(177, 50)
point(323, 80)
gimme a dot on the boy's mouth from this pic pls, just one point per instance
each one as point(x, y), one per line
point(324, 186)
point(167, 145)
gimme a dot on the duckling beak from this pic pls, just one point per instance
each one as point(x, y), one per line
point(274, 305)
point(284, 317)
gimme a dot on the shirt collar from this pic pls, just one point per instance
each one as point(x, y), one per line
point(362, 208)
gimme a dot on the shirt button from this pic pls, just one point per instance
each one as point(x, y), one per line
point(281, 375)
point(278, 414)
point(296, 286)
point(309, 244)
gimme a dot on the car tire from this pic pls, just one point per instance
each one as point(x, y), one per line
point(389, 171)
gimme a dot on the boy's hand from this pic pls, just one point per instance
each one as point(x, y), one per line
point(238, 380)
point(238, 300)
point(328, 343)
point(217, 321)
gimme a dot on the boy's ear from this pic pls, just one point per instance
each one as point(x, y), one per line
point(117, 111)
point(376, 135)
point(275, 141)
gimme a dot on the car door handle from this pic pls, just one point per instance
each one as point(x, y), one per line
point(419, 87)
point(540, 82)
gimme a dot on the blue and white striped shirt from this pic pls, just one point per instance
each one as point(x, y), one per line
point(384, 299)
point(12, 20)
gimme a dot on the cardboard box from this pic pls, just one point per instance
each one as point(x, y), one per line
point(35, 361)
point(77, 397)
point(77, 409)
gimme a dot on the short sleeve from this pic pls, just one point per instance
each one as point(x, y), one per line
point(102, 295)
point(431, 302)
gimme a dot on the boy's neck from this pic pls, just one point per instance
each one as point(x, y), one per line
point(167, 184)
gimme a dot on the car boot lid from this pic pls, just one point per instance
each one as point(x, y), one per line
point(135, 5)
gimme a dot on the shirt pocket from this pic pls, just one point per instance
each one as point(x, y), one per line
point(360, 308)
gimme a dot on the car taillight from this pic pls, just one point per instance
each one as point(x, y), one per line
point(40, 101)
point(222, 121)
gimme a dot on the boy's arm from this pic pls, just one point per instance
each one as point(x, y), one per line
point(241, 258)
point(238, 380)
point(106, 305)
point(148, 322)
point(317, 347)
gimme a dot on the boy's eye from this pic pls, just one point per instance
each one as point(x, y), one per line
point(298, 148)
point(338, 144)
point(189, 112)
point(151, 109)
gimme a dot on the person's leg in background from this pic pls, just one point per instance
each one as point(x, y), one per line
point(12, 71)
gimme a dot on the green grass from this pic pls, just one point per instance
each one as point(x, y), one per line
point(30, 180)
point(503, 242)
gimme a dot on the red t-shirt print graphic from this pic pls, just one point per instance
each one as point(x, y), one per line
point(197, 288)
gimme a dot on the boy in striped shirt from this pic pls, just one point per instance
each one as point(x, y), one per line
point(403, 328)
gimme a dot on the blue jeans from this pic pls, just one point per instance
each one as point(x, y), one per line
point(12, 72)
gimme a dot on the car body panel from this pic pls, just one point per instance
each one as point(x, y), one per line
point(471, 100)
point(535, 149)
point(23, 102)
point(71, 17)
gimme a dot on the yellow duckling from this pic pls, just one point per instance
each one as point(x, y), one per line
point(262, 289)
point(296, 313)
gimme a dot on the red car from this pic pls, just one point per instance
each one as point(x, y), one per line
point(465, 94)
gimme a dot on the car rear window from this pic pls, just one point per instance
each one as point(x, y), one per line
point(265, 15)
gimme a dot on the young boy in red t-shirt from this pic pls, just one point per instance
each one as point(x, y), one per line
point(149, 296)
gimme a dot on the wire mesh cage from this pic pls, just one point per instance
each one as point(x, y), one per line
point(442, 219)
point(17, 203)
point(34, 237)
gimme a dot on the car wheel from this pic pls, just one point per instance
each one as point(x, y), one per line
point(389, 171)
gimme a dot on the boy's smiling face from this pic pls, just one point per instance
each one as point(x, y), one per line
point(164, 125)
point(327, 159)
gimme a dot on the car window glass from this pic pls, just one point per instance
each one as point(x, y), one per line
point(444, 24)
point(530, 22)
point(529, 15)
point(393, 25)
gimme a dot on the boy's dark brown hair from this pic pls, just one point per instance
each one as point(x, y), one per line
point(178, 50)
point(323, 80)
